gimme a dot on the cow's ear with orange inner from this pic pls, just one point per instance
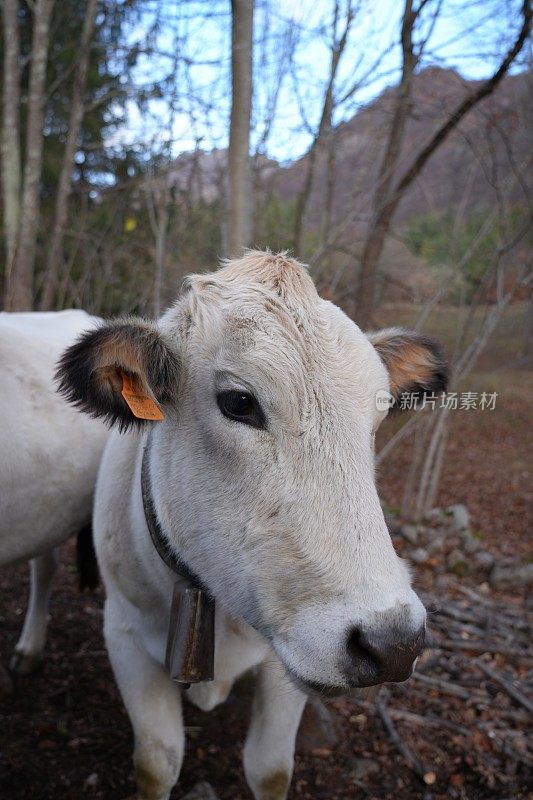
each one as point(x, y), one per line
point(415, 362)
point(123, 371)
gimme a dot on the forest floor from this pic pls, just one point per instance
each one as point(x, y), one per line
point(455, 731)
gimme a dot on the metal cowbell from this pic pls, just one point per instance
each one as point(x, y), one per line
point(190, 654)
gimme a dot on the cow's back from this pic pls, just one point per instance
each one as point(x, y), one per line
point(49, 452)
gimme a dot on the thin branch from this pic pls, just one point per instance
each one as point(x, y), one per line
point(428, 776)
point(506, 685)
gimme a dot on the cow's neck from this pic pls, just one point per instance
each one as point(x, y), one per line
point(190, 644)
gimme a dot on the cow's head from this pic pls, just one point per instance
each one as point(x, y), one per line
point(263, 468)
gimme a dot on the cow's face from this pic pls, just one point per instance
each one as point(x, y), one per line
point(263, 468)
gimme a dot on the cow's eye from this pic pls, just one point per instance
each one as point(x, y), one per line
point(241, 407)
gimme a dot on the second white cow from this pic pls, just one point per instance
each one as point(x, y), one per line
point(49, 457)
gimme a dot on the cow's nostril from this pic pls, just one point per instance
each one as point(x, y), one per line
point(356, 647)
point(363, 658)
point(377, 657)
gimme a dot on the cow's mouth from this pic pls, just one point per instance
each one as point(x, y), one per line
point(316, 688)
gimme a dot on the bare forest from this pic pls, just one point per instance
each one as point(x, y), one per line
point(388, 146)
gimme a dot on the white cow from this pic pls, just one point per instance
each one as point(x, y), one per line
point(49, 458)
point(262, 480)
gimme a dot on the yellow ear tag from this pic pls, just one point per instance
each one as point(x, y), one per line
point(140, 405)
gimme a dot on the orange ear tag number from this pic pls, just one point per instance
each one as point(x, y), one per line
point(140, 405)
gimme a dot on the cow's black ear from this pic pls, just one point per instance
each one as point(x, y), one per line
point(121, 371)
point(415, 362)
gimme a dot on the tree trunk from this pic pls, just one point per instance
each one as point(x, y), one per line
point(19, 286)
point(157, 204)
point(54, 260)
point(329, 194)
point(239, 214)
point(324, 129)
point(10, 133)
point(380, 223)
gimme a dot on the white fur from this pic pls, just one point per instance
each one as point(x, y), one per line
point(283, 525)
point(49, 458)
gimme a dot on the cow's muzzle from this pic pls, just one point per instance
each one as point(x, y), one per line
point(380, 656)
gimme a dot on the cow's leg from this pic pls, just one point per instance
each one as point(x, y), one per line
point(269, 748)
point(153, 703)
point(29, 648)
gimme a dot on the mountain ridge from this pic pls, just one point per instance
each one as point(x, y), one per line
point(492, 143)
point(495, 137)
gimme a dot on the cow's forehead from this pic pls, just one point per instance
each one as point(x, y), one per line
point(309, 349)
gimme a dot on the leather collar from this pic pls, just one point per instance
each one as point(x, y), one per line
point(160, 538)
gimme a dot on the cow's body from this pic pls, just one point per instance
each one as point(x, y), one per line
point(49, 458)
point(261, 475)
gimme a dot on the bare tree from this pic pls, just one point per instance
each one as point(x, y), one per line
point(324, 131)
point(11, 131)
point(435, 435)
point(157, 203)
point(387, 196)
point(55, 248)
point(402, 108)
point(19, 283)
point(239, 211)
point(19, 277)
point(431, 428)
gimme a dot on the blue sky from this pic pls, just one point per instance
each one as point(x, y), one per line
point(191, 39)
